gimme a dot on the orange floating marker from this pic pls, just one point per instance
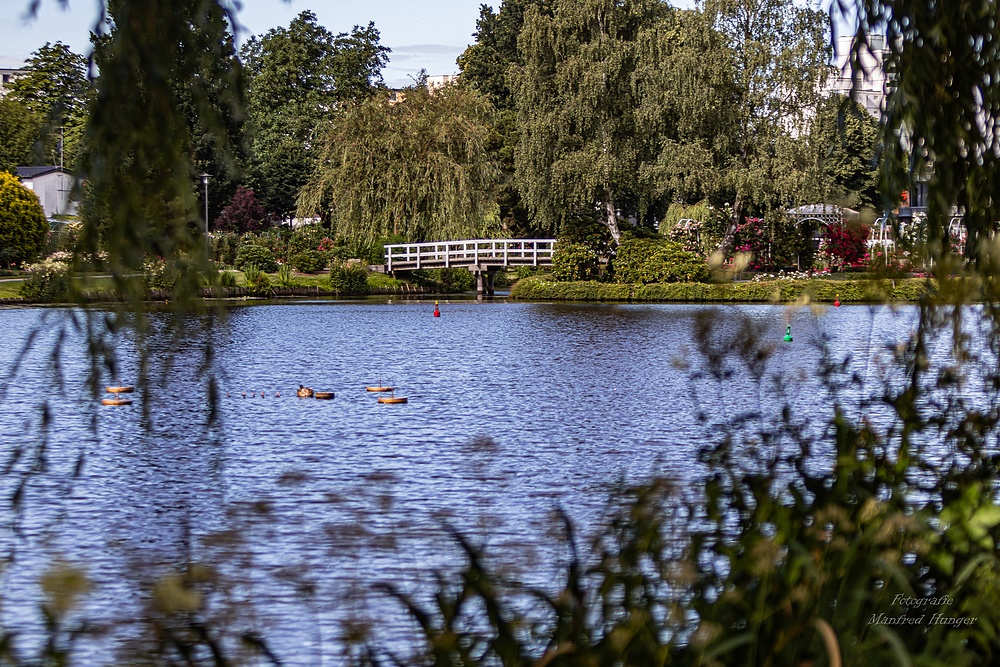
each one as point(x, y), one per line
point(437, 311)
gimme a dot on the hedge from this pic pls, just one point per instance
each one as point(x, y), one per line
point(542, 288)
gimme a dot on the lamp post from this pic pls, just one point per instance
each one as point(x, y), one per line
point(208, 247)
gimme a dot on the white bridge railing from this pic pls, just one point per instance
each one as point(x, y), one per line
point(477, 253)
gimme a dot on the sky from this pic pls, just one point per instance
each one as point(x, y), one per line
point(421, 35)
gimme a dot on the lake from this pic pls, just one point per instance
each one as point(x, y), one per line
point(514, 408)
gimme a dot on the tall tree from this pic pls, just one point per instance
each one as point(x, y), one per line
point(142, 180)
point(579, 146)
point(297, 77)
point(19, 130)
point(485, 66)
point(687, 107)
point(419, 168)
point(217, 138)
point(846, 138)
point(54, 83)
point(780, 58)
point(56, 90)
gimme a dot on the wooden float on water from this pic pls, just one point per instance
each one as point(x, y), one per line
point(123, 389)
point(393, 399)
point(323, 395)
point(116, 401)
point(379, 388)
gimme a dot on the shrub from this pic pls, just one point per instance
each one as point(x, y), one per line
point(306, 237)
point(844, 247)
point(285, 276)
point(574, 261)
point(225, 247)
point(159, 275)
point(256, 280)
point(348, 278)
point(255, 255)
point(227, 279)
point(645, 261)
point(309, 261)
point(46, 281)
point(23, 228)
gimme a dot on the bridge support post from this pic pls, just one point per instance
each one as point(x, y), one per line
point(484, 279)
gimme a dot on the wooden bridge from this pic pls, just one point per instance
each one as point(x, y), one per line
point(482, 257)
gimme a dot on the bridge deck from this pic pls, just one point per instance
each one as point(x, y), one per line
point(476, 255)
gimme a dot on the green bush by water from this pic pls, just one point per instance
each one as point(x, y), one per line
point(647, 261)
point(309, 261)
point(256, 255)
point(348, 278)
point(542, 288)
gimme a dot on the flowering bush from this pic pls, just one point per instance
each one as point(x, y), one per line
point(843, 248)
point(752, 237)
point(791, 275)
point(48, 280)
point(687, 232)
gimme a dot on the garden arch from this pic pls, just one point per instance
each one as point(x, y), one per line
point(820, 215)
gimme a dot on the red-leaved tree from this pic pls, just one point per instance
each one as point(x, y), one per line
point(243, 214)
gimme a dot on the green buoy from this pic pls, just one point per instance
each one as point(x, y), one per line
point(788, 334)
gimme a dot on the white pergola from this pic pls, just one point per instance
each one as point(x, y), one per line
point(823, 215)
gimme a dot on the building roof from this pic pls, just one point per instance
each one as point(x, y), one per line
point(32, 172)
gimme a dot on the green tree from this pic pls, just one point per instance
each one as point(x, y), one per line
point(579, 147)
point(847, 140)
point(23, 228)
point(687, 106)
point(54, 83)
point(485, 66)
point(418, 168)
point(779, 57)
point(18, 132)
point(297, 77)
point(55, 88)
point(216, 136)
point(142, 196)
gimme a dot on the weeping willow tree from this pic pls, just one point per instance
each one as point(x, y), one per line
point(420, 169)
point(580, 146)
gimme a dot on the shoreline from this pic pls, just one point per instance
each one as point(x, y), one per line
point(542, 288)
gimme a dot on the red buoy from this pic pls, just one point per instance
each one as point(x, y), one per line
point(437, 313)
point(836, 302)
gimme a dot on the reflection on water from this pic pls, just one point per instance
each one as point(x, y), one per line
point(512, 409)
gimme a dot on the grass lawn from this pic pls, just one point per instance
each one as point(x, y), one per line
point(9, 289)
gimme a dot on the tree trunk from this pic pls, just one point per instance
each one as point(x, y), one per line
point(726, 245)
point(611, 220)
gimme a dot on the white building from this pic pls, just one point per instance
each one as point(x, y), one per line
point(53, 186)
point(10, 69)
point(869, 81)
point(440, 81)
